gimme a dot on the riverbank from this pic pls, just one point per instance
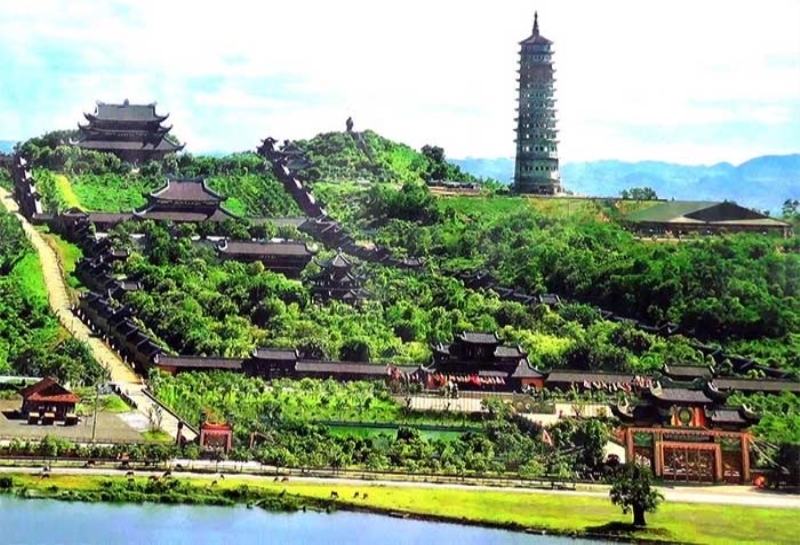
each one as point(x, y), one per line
point(555, 513)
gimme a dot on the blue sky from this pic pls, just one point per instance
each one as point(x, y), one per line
point(678, 80)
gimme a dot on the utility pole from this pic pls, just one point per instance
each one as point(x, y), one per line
point(94, 419)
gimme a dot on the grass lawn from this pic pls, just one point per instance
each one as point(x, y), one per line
point(111, 192)
point(495, 205)
point(157, 436)
point(28, 271)
point(688, 523)
point(68, 254)
point(64, 188)
point(111, 403)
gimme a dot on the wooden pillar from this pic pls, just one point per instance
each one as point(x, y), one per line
point(658, 455)
point(629, 453)
point(717, 462)
point(745, 458)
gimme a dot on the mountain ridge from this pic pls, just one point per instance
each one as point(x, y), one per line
point(762, 182)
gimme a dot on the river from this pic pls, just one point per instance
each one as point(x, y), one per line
point(48, 522)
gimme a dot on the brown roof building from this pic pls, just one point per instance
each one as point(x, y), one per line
point(184, 201)
point(133, 132)
point(476, 360)
point(338, 281)
point(688, 433)
point(684, 217)
point(48, 400)
point(288, 258)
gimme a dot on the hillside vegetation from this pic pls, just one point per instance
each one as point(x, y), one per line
point(367, 156)
point(69, 177)
point(32, 343)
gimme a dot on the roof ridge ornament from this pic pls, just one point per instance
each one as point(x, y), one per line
point(535, 23)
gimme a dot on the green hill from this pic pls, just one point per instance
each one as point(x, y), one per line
point(70, 177)
point(367, 156)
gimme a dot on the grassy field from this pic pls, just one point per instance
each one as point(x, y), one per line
point(68, 255)
point(111, 193)
point(157, 436)
point(566, 514)
point(554, 207)
point(64, 188)
point(29, 272)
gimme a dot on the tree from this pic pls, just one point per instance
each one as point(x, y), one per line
point(639, 194)
point(631, 490)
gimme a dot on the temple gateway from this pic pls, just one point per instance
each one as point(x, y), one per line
point(132, 132)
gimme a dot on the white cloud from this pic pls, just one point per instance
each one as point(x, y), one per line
point(421, 72)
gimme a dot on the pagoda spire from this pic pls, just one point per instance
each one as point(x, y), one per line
point(535, 23)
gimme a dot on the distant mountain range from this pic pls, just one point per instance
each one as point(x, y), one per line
point(7, 146)
point(763, 182)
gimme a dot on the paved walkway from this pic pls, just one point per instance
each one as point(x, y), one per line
point(58, 297)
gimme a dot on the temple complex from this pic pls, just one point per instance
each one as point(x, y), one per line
point(688, 433)
point(133, 132)
point(338, 281)
point(536, 165)
point(474, 360)
point(183, 201)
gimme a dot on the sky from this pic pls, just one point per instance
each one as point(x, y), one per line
point(696, 82)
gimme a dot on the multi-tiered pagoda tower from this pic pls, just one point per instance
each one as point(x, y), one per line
point(338, 281)
point(536, 166)
point(133, 132)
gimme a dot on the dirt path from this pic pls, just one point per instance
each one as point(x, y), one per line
point(58, 297)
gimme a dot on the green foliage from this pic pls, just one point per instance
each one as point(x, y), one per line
point(779, 421)
point(631, 489)
point(102, 182)
point(31, 341)
point(367, 156)
point(639, 194)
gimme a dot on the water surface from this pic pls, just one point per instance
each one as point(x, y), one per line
point(34, 522)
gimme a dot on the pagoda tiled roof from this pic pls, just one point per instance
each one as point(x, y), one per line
point(504, 351)
point(680, 395)
point(126, 112)
point(479, 338)
point(366, 369)
point(524, 370)
point(688, 371)
point(48, 390)
point(740, 416)
point(756, 385)
point(280, 354)
point(578, 377)
point(265, 248)
point(187, 190)
point(134, 144)
point(199, 362)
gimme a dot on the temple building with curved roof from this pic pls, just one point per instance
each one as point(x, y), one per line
point(132, 132)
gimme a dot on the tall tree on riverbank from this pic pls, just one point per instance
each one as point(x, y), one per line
point(631, 490)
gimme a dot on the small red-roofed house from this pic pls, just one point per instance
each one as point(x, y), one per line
point(48, 397)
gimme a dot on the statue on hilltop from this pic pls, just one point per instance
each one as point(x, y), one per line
point(349, 124)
